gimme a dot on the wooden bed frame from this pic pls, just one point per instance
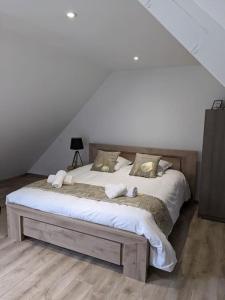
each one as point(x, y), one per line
point(116, 246)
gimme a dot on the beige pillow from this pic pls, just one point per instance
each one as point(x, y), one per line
point(145, 165)
point(105, 161)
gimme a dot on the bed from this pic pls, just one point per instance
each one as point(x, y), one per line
point(122, 235)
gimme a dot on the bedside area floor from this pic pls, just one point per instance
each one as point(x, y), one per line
point(36, 270)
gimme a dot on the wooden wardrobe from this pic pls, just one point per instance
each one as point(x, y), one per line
point(212, 184)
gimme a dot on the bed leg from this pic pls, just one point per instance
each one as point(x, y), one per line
point(136, 260)
point(14, 221)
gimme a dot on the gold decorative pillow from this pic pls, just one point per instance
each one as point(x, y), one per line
point(105, 161)
point(145, 165)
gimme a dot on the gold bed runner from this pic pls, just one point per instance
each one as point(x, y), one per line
point(149, 203)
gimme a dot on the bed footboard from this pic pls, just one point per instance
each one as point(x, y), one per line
point(116, 246)
point(14, 224)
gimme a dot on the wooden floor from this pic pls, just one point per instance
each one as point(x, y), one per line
point(35, 270)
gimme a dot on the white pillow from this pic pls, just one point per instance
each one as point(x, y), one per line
point(121, 162)
point(163, 166)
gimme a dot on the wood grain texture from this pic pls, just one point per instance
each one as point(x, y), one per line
point(14, 222)
point(183, 160)
point(212, 188)
point(37, 270)
point(99, 241)
point(73, 240)
point(9, 186)
point(136, 260)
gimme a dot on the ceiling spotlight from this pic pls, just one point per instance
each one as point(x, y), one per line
point(135, 58)
point(71, 15)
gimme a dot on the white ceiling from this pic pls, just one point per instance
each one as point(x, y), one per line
point(50, 66)
point(198, 25)
point(108, 32)
point(41, 91)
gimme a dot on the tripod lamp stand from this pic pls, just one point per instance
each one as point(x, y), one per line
point(76, 144)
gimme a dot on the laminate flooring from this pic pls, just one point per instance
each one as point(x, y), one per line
point(36, 270)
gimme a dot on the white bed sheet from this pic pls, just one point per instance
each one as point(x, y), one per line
point(171, 188)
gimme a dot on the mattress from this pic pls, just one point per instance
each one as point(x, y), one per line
point(171, 188)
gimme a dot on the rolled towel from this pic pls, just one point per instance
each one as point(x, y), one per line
point(115, 190)
point(59, 178)
point(132, 192)
point(50, 179)
point(68, 180)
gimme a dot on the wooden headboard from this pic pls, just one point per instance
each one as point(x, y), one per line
point(183, 160)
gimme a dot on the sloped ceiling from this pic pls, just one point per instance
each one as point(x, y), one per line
point(109, 32)
point(41, 90)
point(199, 26)
point(50, 66)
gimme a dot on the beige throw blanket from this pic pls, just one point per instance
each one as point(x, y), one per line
point(149, 203)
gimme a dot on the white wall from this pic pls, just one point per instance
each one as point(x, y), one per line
point(157, 108)
point(41, 89)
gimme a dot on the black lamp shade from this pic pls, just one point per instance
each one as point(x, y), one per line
point(76, 144)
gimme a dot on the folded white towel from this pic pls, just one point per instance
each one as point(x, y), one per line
point(132, 192)
point(50, 179)
point(68, 180)
point(59, 178)
point(115, 190)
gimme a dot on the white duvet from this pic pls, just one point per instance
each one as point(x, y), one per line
point(171, 188)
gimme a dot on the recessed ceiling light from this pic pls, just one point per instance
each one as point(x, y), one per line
point(71, 14)
point(135, 58)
